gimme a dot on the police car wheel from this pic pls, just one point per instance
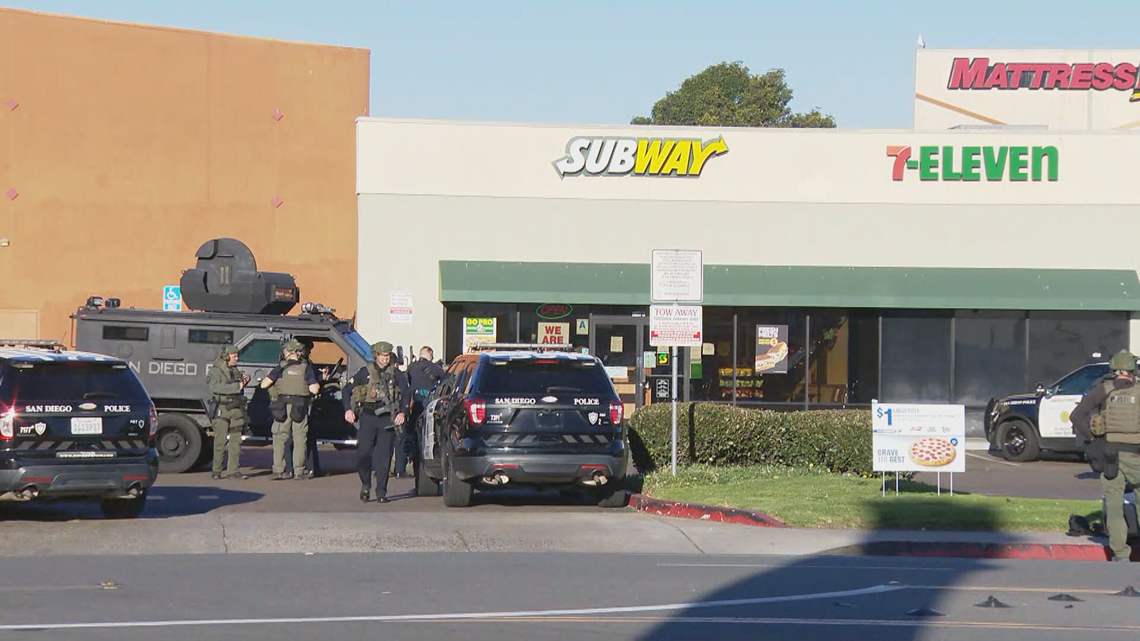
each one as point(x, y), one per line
point(179, 442)
point(614, 494)
point(456, 493)
point(424, 485)
point(1018, 441)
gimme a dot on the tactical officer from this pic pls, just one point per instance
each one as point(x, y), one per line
point(378, 396)
point(423, 375)
point(1107, 421)
point(229, 416)
point(295, 384)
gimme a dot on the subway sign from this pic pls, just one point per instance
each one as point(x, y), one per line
point(975, 163)
point(605, 156)
point(981, 73)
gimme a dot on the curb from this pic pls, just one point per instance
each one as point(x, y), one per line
point(1028, 551)
point(661, 507)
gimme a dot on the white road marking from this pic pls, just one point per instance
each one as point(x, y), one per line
point(798, 566)
point(991, 459)
point(877, 589)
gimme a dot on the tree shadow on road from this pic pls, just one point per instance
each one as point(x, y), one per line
point(849, 593)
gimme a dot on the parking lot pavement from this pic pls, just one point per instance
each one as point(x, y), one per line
point(1054, 477)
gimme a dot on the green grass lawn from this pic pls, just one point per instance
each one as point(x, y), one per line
point(806, 498)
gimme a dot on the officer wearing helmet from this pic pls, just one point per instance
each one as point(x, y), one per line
point(294, 384)
point(378, 397)
point(1107, 421)
point(228, 410)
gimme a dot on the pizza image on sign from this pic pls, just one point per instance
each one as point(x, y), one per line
point(933, 452)
point(773, 357)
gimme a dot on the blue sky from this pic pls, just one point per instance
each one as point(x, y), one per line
point(604, 61)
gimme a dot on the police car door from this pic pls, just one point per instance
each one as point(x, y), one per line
point(1061, 399)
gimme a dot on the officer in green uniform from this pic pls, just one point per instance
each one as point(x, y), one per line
point(228, 414)
point(378, 397)
point(1107, 421)
point(294, 384)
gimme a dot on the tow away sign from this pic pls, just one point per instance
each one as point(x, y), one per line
point(676, 325)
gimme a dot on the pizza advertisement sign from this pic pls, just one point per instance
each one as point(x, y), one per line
point(918, 438)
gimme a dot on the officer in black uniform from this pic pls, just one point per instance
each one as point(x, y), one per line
point(423, 375)
point(378, 397)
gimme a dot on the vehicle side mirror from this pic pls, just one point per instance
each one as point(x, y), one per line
point(1041, 388)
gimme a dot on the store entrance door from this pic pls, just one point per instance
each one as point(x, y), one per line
point(620, 342)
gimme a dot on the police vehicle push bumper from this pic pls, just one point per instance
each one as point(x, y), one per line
point(113, 480)
point(473, 463)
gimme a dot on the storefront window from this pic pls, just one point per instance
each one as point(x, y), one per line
point(989, 356)
point(711, 365)
point(916, 357)
point(554, 324)
point(844, 358)
point(457, 331)
point(770, 356)
point(1060, 342)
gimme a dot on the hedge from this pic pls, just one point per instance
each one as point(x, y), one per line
point(716, 434)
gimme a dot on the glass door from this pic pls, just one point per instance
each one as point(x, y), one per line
point(620, 342)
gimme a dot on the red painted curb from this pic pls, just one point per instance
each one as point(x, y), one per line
point(661, 507)
point(1031, 551)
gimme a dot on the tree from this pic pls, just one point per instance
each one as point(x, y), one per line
point(728, 95)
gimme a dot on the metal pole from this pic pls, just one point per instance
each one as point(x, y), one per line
point(884, 485)
point(673, 358)
point(951, 484)
point(940, 484)
point(896, 483)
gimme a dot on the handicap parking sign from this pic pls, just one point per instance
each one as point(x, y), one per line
point(171, 298)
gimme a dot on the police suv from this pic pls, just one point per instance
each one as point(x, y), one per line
point(74, 424)
point(1022, 425)
point(521, 415)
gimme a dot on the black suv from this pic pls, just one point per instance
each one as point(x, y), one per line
point(532, 418)
point(74, 425)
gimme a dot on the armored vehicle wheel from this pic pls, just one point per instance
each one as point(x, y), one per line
point(179, 442)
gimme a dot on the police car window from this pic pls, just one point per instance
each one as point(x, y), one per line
point(67, 382)
point(544, 376)
point(210, 337)
point(262, 350)
point(1080, 381)
point(468, 376)
point(116, 333)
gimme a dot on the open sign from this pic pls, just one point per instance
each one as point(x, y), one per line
point(554, 311)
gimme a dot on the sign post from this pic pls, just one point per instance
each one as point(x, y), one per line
point(677, 276)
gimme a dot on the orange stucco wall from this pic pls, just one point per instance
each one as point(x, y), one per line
point(129, 146)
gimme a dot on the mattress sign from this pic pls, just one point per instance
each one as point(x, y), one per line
point(918, 438)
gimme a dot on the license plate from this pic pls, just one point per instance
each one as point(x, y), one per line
point(549, 421)
point(87, 425)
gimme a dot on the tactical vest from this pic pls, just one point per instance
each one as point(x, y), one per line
point(380, 390)
point(229, 375)
point(1121, 414)
point(292, 381)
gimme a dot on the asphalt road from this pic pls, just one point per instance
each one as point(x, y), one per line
point(556, 596)
point(1057, 476)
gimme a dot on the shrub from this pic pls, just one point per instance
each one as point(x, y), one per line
point(715, 434)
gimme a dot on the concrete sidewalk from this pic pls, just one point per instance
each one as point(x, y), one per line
point(602, 531)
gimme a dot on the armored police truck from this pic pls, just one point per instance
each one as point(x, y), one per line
point(232, 303)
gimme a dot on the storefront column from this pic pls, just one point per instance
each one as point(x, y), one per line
point(1134, 335)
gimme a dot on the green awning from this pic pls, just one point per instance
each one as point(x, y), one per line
point(772, 286)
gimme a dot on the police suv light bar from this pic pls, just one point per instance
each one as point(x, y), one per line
point(489, 347)
point(55, 346)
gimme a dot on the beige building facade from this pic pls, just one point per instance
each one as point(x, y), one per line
point(899, 265)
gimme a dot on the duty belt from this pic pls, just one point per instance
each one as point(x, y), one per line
point(231, 401)
point(376, 409)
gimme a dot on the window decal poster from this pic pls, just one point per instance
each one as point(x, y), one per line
point(771, 349)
